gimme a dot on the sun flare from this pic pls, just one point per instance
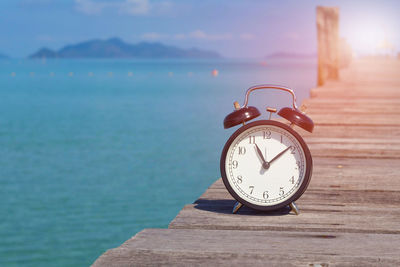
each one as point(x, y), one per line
point(371, 38)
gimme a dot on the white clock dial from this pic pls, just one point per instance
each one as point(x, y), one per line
point(265, 165)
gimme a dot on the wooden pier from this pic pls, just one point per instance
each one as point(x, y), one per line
point(350, 214)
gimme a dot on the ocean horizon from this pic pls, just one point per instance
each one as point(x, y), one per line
point(95, 150)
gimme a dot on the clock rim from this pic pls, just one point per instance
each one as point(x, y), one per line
point(307, 175)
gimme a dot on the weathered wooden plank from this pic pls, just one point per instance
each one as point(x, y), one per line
point(353, 148)
point(376, 120)
point(332, 209)
point(353, 108)
point(342, 196)
point(350, 174)
point(381, 132)
point(215, 214)
point(329, 196)
point(354, 111)
point(329, 209)
point(356, 91)
point(183, 247)
point(328, 103)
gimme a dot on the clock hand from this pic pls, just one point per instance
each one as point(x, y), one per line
point(265, 152)
point(280, 154)
point(265, 164)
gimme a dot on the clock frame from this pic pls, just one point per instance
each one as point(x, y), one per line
point(245, 113)
point(307, 158)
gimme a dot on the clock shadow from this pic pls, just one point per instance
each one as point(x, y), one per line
point(225, 206)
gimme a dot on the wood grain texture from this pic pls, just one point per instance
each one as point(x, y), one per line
point(349, 215)
point(187, 247)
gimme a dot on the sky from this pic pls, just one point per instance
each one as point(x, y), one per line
point(234, 28)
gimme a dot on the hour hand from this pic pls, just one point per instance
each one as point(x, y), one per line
point(265, 164)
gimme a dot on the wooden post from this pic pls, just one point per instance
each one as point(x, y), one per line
point(328, 43)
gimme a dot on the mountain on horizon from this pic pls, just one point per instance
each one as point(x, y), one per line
point(116, 48)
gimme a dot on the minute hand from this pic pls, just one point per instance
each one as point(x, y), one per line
point(280, 154)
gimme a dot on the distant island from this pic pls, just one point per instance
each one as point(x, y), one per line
point(116, 48)
point(290, 55)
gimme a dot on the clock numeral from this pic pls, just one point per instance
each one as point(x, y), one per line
point(251, 187)
point(292, 150)
point(281, 192)
point(239, 179)
point(267, 134)
point(265, 195)
point(235, 164)
point(292, 180)
point(242, 150)
point(298, 165)
point(252, 139)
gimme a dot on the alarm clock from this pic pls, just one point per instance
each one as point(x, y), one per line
point(265, 164)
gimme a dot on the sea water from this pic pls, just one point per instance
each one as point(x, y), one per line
point(93, 151)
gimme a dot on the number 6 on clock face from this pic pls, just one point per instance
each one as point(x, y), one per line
point(266, 165)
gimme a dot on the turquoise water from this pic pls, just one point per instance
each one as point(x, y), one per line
point(91, 153)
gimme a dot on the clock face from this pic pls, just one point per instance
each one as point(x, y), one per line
point(266, 165)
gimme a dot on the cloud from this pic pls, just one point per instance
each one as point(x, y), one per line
point(291, 36)
point(247, 36)
point(35, 1)
point(45, 38)
point(179, 36)
point(89, 7)
point(135, 7)
point(153, 36)
point(130, 7)
point(197, 35)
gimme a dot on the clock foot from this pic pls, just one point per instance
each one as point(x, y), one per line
point(294, 208)
point(237, 207)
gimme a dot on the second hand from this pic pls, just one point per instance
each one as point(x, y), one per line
point(266, 154)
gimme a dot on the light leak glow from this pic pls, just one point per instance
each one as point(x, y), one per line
point(370, 38)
